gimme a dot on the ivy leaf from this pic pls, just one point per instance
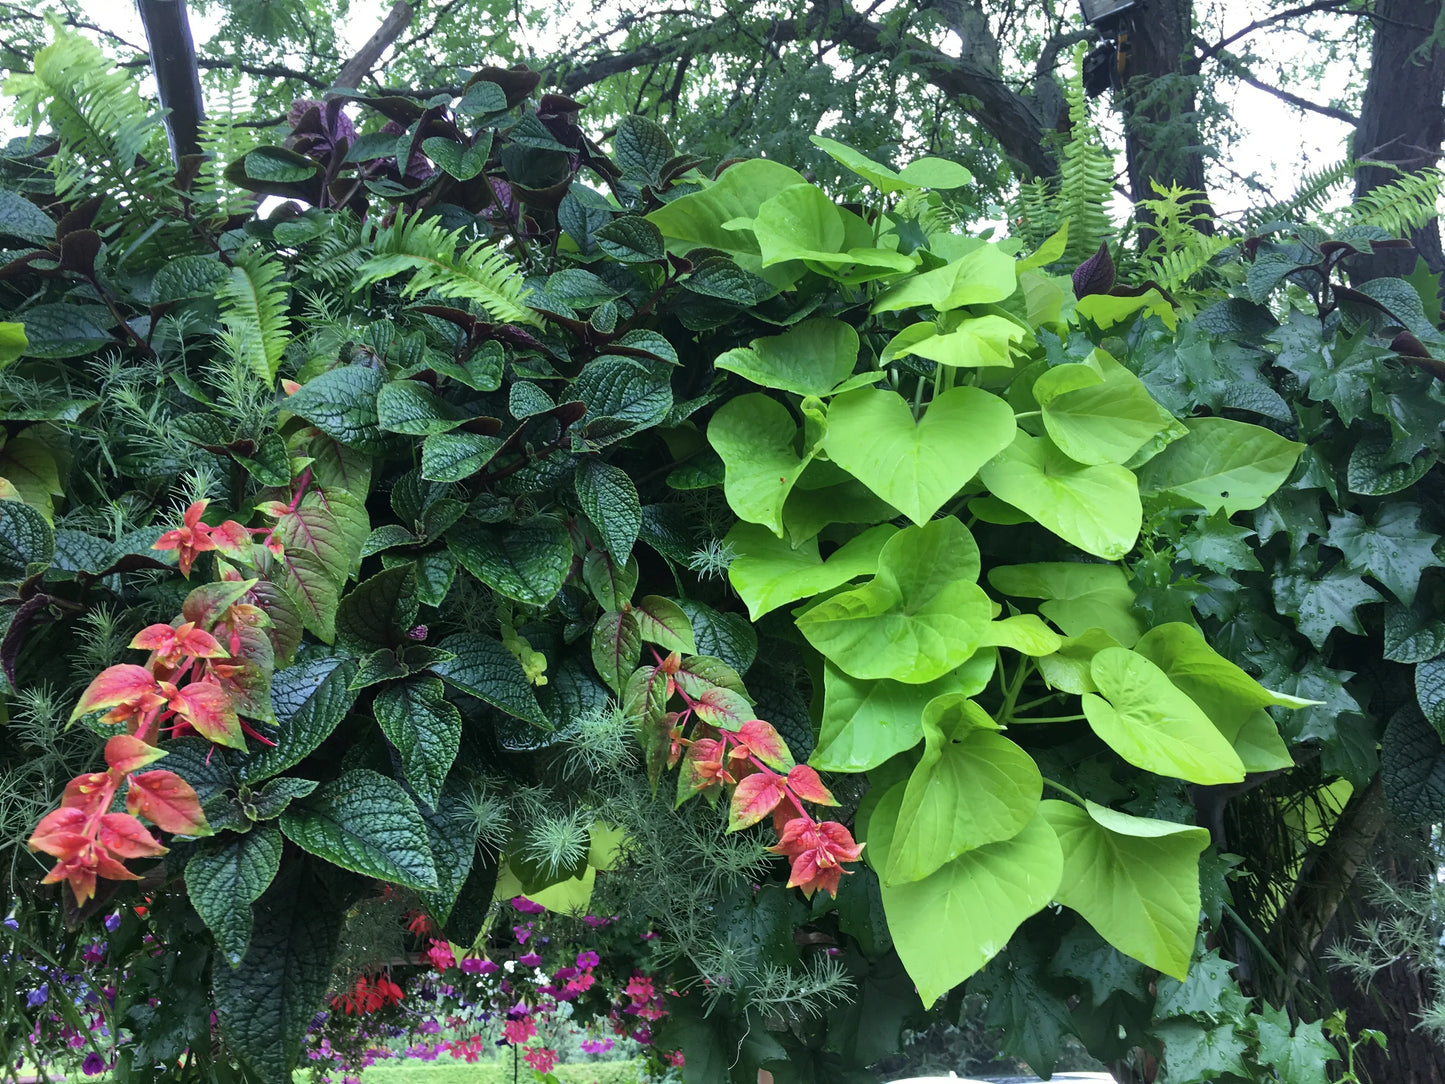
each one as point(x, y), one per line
point(310, 699)
point(1033, 1018)
point(971, 787)
point(1393, 550)
point(917, 467)
point(1299, 1058)
point(364, 822)
point(609, 500)
point(1324, 603)
point(225, 876)
point(265, 1004)
point(1086, 957)
point(341, 402)
point(424, 728)
point(484, 668)
point(919, 618)
point(526, 561)
point(1136, 880)
point(948, 925)
point(1193, 1052)
point(1218, 545)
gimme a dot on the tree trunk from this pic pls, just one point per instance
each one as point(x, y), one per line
point(1402, 119)
point(173, 59)
point(1161, 128)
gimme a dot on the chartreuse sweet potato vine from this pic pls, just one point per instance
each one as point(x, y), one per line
point(511, 477)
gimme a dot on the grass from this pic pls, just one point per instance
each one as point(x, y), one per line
point(494, 1072)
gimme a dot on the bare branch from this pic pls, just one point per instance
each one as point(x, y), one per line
point(1237, 68)
point(356, 69)
point(1209, 51)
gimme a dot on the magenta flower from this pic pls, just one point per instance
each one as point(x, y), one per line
point(526, 906)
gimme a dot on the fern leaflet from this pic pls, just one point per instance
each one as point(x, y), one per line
point(253, 308)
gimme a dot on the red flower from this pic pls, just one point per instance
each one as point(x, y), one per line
point(541, 1059)
point(818, 852)
point(191, 538)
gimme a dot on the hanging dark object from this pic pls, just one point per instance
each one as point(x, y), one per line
point(1101, 13)
point(173, 58)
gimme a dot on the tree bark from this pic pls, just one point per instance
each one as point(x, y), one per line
point(1402, 119)
point(1161, 130)
point(173, 59)
point(358, 67)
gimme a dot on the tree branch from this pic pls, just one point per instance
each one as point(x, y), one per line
point(173, 59)
point(1237, 68)
point(357, 68)
point(1209, 51)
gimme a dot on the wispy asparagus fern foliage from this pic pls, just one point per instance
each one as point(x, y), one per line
point(479, 272)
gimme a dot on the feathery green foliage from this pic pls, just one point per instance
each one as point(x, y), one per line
point(1405, 204)
point(253, 308)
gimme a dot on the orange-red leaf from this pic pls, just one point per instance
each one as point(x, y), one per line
point(765, 743)
point(125, 837)
point(209, 709)
point(89, 793)
point(167, 801)
point(60, 833)
point(126, 684)
point(803, 781)
point(753, 799)
point(232, 540)
point(126, 753)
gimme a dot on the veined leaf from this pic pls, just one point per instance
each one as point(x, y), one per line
point(364, 822)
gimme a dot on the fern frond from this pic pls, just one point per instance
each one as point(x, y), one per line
point(223, 142)
point(479, 273)
point(339, 254)
point(1178, 250)
point(253, 308)
point(103, 125)
point(1086, 175)
point(1400, 206)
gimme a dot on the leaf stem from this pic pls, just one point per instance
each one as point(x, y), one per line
point(1063, 790)
point(1047, 718)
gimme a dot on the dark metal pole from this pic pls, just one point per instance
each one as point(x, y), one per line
point(173, 58)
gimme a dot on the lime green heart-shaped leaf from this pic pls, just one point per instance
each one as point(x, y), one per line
point(917, 467)
point(811, 358)
point(975, 342)
point(1221, 464)
point(1147, 720)
point(756, 438)
point(1078, 597)
point(981, 277)
point(867, 722)
point(1096, 508)
point(948, 925)
point(972, 787)
point(767, 572)
point(1136, 880)
point(919, 618)
point(1098, 411)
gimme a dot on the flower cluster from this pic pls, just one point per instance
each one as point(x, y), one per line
point(369, 994)
point(191, 684)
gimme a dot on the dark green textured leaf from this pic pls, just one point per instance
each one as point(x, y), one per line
point(1373, 471)
point(406, 406)
point(1219, 545)
point(21, 218)
point(1033, 1018)
point(279, 164)
point(1412, 634)
point(266, 1004)
point(378, 612)
point(641, 149)
point(341, 403)
point(225, 876)
point(1412, 768)
point(387, 536)
point(609, 500)
point(631, 239)
point(1085, 956)
point(188, 276)
point(209, 773)
point(426, 730)
point(1324, 603)
point(616, 648)
point(364, 822)
point(434, 574)
point(624, 390)
point(1394, 550)
point(271, 464)
point(727, 636)
point(527, 561)
point(25, 539)
point(454, 847)
point(721, 278)
point(451, 457)
point(1208, 989)
point(1430, 691)
point(310, 699)
point(276, 795)
point(63, 331)
point(484, 668)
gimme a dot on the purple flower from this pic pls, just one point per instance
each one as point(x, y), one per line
point(93, 953)
point(112, 923)
point(93, 1064)
point(38, 996)
point(587, 959)
point(596, 1046)
point(531, 959)
point(430, 1027)
point(562, 974)
point(12, 923)
point(521, 933)
point(526, 906)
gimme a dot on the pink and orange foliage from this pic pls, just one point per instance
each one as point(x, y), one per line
point(192, 683)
